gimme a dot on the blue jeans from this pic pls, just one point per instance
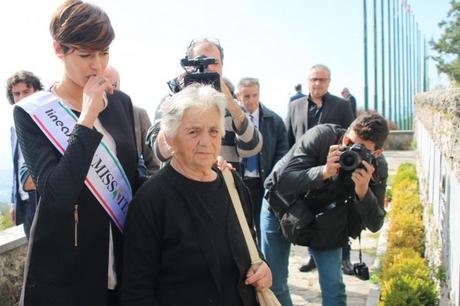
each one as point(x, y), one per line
point(276, 251)
point(329, 266)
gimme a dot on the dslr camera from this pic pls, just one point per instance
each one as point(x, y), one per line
point(353, 156)
point(361, 270)
point(197, 71)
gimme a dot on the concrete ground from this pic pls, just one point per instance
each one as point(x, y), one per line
point(305, 286)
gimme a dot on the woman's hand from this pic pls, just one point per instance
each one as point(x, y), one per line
point(222, 164)
point(261, 278)
point(93, 99)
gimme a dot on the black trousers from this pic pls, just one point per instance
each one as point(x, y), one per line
point(256, 190)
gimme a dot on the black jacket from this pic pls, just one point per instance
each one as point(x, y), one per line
point(275, 143)
point(335, 110)
point(300, 172)
point(57, 271)
point(169, 256)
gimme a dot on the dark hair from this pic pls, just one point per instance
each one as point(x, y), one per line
point(203, 41)
point(76, 24)
point(371, 126)
point(298, 87)
point(26, 77)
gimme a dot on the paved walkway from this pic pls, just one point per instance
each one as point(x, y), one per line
point(305, 286)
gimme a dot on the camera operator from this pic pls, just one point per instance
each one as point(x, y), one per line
point(241, 138)
point(347, 201)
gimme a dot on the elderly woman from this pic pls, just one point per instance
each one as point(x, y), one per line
point(183, 242)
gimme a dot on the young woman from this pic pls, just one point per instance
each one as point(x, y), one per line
point(78, 141)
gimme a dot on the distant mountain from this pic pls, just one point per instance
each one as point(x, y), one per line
point(5, 185)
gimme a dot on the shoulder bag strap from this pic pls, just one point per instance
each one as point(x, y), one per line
point(253, 253)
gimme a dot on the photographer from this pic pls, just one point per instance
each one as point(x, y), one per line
point(338, 203)
point(241, 138)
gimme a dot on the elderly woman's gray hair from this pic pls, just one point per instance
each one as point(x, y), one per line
point(204, 97)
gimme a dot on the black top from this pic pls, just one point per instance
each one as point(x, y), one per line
point(214, 207)
point(314, 112)
point(184, 245)
point(300, 171)
point(60, 273)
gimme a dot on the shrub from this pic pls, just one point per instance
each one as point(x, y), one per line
point(408, 290)
point(406, 232)
point(405, 274)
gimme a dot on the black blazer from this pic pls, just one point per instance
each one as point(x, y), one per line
point(275, 143)
point(169, 257)
point(335, 110)
point(58, 272)
point(300, 171)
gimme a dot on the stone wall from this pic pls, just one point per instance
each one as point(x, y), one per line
point(13, 250)
point(437, 134)
point(439, 112)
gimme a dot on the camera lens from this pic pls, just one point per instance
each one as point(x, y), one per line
point(349, 160)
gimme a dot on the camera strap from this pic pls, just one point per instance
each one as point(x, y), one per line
point(360, 253)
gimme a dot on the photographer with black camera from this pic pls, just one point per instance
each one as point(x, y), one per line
point(328, 187)
point(203, 64)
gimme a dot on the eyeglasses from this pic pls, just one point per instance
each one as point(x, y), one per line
point(320, 80)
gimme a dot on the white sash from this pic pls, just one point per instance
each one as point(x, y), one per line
point(106, 178)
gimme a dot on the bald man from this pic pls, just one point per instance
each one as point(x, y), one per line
point(141, 126)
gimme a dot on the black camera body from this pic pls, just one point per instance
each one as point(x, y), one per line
point(199, 73)
point(361, 270)
point(353, 156)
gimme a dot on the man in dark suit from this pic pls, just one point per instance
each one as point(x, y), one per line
point(256, 168)
point(350, 98)
point(148, 163)
point(298, 94)
point(23, 195)
point(319, 106)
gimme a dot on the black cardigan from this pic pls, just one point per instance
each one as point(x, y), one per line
point(57, 272)
point(165, 234)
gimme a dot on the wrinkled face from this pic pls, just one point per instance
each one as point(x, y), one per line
point(21, 90)
point(80, 64)
point(113, 78)
point(249, 96)
point(318, 82)
point(197, 142)
point(209, 50)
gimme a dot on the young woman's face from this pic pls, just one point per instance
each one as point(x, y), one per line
point(80, 65)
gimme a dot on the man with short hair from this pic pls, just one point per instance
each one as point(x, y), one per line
point(350, 98)
point(148, 163)
point(23, 196)
point(256, 168)
point(342, 203)
point(317, 108)
point(241, 139)
point(298, 94)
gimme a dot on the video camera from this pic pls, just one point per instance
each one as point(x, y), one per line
point(199, 73)
point(353, 156)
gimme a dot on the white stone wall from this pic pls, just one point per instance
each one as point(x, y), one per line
point(13, 250)
point(437, 133)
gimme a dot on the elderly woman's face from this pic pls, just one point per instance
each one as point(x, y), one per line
point(198, 139)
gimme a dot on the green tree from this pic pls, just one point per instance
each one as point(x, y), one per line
point(448, 45)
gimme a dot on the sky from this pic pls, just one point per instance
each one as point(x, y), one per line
point(275, 41)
